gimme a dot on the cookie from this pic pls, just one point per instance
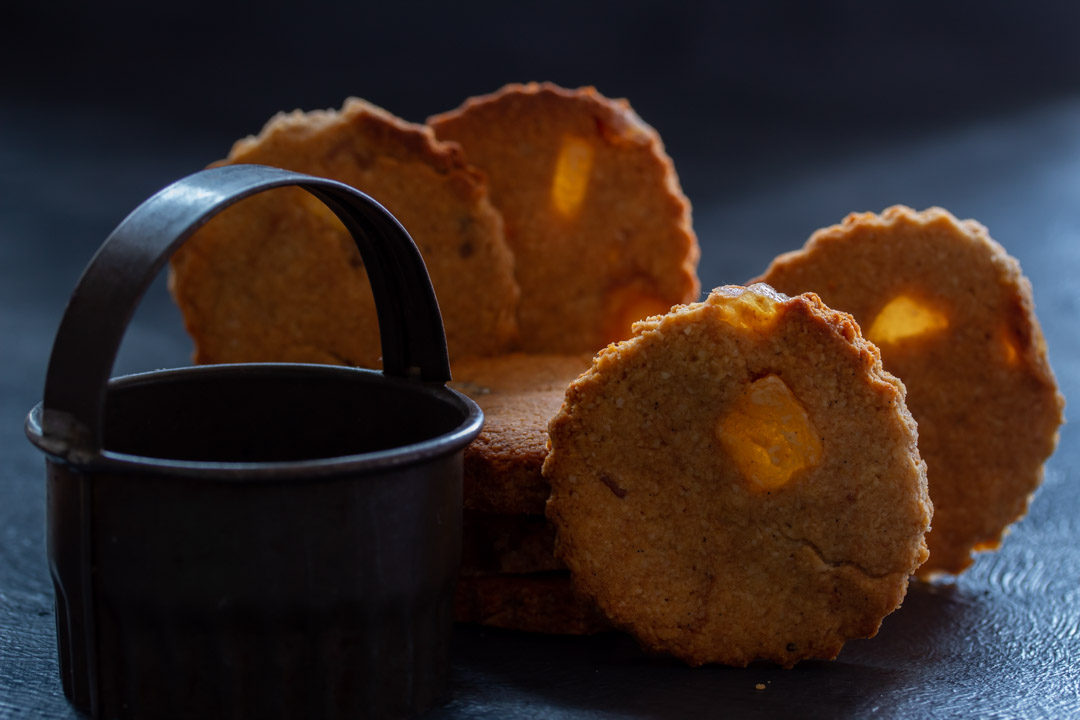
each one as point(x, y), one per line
point(594, 213)
point(740, 481)
point(541, 603)
point(519, 394)
point(954, 318)
point(515, 544)
point(278, 278)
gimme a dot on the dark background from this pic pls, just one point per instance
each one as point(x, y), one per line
point(727, 84)
point(747, 96)
point(781, 117)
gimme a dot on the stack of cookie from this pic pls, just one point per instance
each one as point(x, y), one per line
point(601, 237)
point(509, 575)
point(549, 219)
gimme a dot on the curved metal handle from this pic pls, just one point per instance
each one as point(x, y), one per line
point(97, 315)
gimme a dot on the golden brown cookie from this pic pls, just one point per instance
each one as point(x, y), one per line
point(277, 277)
point(515, 544)
point(954, 318)
point(740, 481)
point(519, 394)
point(540, 602)
point(594, 212)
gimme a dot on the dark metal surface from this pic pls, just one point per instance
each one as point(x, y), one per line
point(1001, 641)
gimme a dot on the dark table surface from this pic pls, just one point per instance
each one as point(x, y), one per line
point(1002, 640)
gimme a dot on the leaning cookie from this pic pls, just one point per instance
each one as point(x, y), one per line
point(955, 320)
point(740, 481)
point(519, 395)
point(278, 277)
point(594, 213)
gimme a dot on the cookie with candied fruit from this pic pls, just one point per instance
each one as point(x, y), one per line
point(596, 219)
point(954, 318)
point(740, 481)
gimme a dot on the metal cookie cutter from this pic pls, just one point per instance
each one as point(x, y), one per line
point(254, 540)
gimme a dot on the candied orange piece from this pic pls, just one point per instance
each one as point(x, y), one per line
point(571, 178)
point(768, 435)
point(1009, 345)
point(749, 308)
point(903, 318)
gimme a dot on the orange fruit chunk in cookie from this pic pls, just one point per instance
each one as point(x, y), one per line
point(903, 318)
point(753, 307)
point(768, 435)
point(1009, 346)
point(571, 178)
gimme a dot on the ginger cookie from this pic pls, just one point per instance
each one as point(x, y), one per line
point(539, 602)
point(594, 213)
point(954, 318)
point(278, 278)
point(740, 481)
point(515, 544)
point(519, 394)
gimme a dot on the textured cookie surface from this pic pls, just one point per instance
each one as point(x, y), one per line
point(954, 319)
point(740, 481)
point(593, 209)
point(539, 602)
point(519, 395)
point(277, 277)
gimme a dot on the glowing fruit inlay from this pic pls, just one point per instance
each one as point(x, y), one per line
point(904, 318)
point(571, 178)
point(768, 435)
point(752, 308)
point(1008, 344)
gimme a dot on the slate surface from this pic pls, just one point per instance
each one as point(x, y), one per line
point(1003, 640)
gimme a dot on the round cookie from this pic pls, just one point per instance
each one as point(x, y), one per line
point(954, 319)
point(594, 213)
point(740, 481)
point(519, 394)
point(278, 278)
point(539, 602)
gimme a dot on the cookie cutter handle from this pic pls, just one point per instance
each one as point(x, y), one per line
point(84, 351)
